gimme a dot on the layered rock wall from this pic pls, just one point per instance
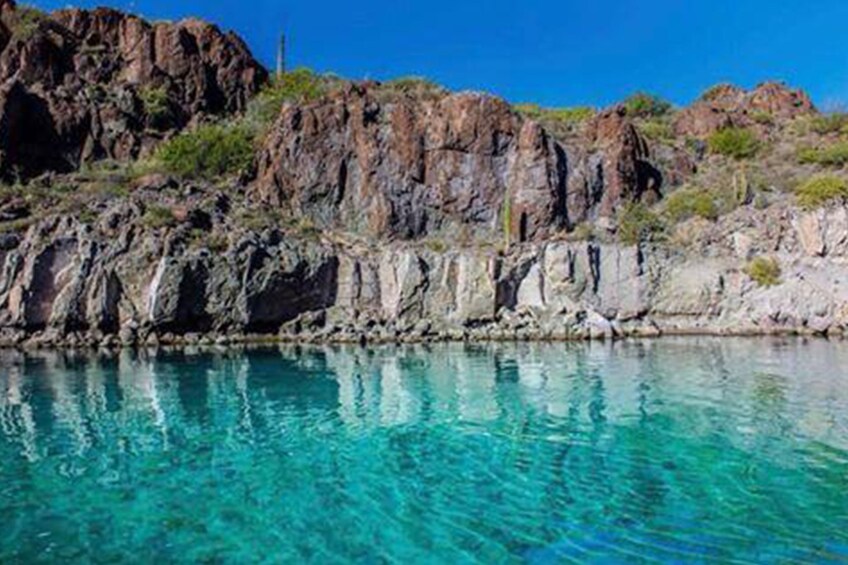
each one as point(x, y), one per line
point(64, 282)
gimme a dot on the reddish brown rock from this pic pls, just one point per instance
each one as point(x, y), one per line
point(629, 174)
point(406, 166)
point(728, 105)
point(75, 84)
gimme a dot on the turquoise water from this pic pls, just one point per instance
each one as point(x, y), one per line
point(671, 450)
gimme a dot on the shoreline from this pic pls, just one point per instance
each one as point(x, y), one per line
point(218, 341)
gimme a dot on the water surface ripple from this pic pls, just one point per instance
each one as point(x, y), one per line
point(675, 450)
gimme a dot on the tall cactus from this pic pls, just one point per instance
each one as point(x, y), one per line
point(281, 56)
point(507, 220)
point(742, 193)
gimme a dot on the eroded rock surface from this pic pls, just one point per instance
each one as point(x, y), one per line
point(68, 283)
point(728, 105)
point(407, 167)
point(78, 85)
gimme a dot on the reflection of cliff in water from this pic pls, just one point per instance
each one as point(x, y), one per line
point(147, 401)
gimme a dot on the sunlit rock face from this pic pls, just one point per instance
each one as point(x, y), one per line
point(407, 167)
point(82, 85)
point(65, 283)
point(369, 213)
point(730, 106)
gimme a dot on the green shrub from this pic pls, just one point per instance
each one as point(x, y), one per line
point(560, 122)
point(572, 115)
point(566, 115)
point(688, 203)
point(156, 103)
point(837, 122)
point(739, 143)
point(657, 130)
point(584, 231)
point(821, 190)
point(532, 111)
point(209, 151)
point(300, 85)
point(644, 105)
point(765, 271)
point(636, 223)
point(762, 117)
point(259, 219)
point(418, 87)
point(507, 220)
point(25, 21)
point(158, 217)
point(436, 245)
point(835, 155)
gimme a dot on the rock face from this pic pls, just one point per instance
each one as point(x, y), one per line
point(407, 167)
point(68, 283)
point(79, 85)
point(727, 105)
point(384, 175)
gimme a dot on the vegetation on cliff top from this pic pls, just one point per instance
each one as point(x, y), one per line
point(833, 155)
point(560, 122)
point(821, 190)
point(228, 147)
point(738, 143)
point(24, 21)
point(209, 151)
point(836, 122)
point(645, 105)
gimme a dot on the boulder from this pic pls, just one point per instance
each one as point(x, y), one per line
point(728, 105)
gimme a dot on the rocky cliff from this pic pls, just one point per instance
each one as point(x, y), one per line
point(78, 85)
point(381, 213)
point(68, 282)
point(409, 167)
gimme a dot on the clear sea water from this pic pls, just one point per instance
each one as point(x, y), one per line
point(674, 450)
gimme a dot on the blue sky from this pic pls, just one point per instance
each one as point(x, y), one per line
point(556, 53)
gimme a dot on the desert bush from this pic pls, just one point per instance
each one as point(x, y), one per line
point(584, 231)
point(156, 103)
point(637, 222)
point(418, 87)
point(532, 111)
point(570, 115)
point(738, 143)
point(259, 219)
point(835, 155)
point(688, 203)
point(762, 117)
point(836, 122)
point(656, 130)
point(25, 21)
point(208, 151)
point(765, 271)
point(436, 245)
point(644, 105)
point(821, 190)
point(566, 115)
point(158, 217)
point(300, 85)
point(560, 122)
